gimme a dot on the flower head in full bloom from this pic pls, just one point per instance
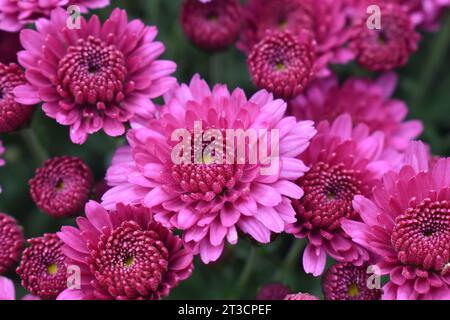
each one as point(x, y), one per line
point(96, 77)
point(391, 45)
point(211, 25)
point(213, 197)
point(367, 101)
point(124, 255)
point(344, 161)
point(325, 20)
point(13, 115)
point(62, 186)
point(11, 242)
point(273, 291)
point(15, 14)
point(42, 268)
point(300, 296)
point(344, 281)
point(407, 224)
point(284, 63)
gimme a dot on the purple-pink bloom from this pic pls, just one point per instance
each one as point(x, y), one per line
point(96, 77)
point(426, 14)
point(407, 224)
point(124, 255)
point(368, 102)
point(344, 161)
point(15, 14)
point(211, 201)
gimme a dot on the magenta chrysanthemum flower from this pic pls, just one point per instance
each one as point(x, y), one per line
point(211, 25)
point(426, 13)
point(325, 19)
point(284, 63)
point(300, 296)
point(62, 186)
point(11, 242)
point(9, 46)
point(124, 255)
point(273, 291)
point(210, 199)
point(97, 77)
point(367, 101)
point(42, 268)
point(344, 161)
point(344, 281)
point(407, 224)
point(386, 48)
point(15, 14)
point(13, 115)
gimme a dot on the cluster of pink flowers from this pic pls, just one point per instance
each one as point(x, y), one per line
point(342, 170)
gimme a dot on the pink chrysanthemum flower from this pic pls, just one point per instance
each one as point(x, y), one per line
point(284, 63)
point(42, 268)
point(344, 161)
point(62, 186)
point(15, 14)
point(13, 115)
point(124, 255)
point(211, 25)
point(300, 296)
point(344, 281)
point(325, 19)
point(8, 292)
point(388, 47)
point(367, 101)
point(273, 291)
point(9, 46)
point(211, 200)
point(426, 13)
point(11, 242)
point(97, 77)
point(407, 224)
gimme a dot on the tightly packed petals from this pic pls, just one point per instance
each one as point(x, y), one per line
point(407, 224)
point(9, 46)
point(42, 268)
point(300, 296)
point(62, 186)
point(325, 20)
point(15, 14)
point(284, 63)
point(124, 255)
point(211, 25)
point(96, 77)
point(344, 161)
point(13, 115)
point(11, 242)
point(388, 47)
point(344, 281)
point(273, 291)
point(211, 199)
point(367, 101)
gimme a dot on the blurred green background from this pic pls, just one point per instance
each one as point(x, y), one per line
point(424, 85)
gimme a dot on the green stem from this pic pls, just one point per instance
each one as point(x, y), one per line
point(290, 260)
point(247, 271)
point(215, 69)
point(436, 57)
point(34, 145)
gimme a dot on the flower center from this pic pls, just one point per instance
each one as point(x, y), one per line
point(130, 261)
point(329, 192)
point(92, 72)
point(421, 235)
point(353, 290)
point(52, 269)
